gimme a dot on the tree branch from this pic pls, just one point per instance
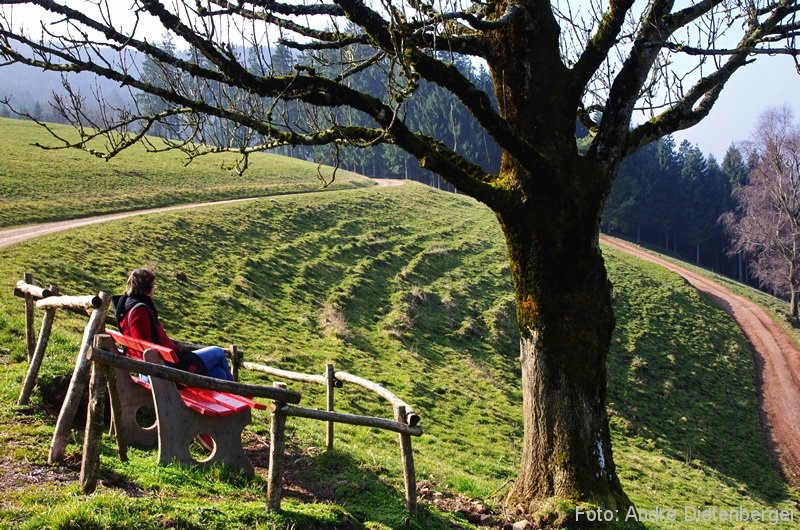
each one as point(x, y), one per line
point(688, 112)
point(478, 103)
point(598, 47)
point(609, 144)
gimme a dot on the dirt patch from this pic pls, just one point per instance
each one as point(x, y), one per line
point(474, 511)
point(298, 461)
point(15, 474)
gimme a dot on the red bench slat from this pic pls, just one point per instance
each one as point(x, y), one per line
point(205, 407)
point(204, 401)
point(138, 346)
point(229, 402)
point(195, 400)
point(227, 399)
point(140, 381)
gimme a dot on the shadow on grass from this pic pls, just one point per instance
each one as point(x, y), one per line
point(688, 387)
point(338, 478)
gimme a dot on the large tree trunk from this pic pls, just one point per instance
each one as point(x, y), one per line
point(566, 320)
point(561, 288)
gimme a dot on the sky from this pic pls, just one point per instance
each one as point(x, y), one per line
point(770, 82)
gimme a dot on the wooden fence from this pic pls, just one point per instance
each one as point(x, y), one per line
point(405, 420)
point(405, 423)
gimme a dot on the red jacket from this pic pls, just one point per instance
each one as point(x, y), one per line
point(138, 323)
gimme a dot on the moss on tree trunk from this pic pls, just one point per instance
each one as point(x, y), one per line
point(566, 320)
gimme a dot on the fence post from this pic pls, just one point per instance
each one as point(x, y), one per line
point(38, 354)
point(107, 343)
point(407, 455)
point(330, 380)
point(30, 337)
point(236, 360)
point(90, 462)
point(77, 383)
point(277, 435)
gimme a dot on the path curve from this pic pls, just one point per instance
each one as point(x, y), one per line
point(776, 357)
point(12, 236)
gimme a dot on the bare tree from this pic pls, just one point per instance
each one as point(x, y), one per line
point(766, 224)
point(644, 70)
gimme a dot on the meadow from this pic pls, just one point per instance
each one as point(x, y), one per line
point(38, 185)
point(409, 287)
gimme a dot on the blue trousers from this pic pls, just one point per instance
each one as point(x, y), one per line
point(216, 363)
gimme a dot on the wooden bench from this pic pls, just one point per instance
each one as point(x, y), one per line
point(181, 412)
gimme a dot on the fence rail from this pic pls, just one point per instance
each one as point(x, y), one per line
point(405, 421)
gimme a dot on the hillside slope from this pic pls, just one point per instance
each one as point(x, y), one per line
point(776, 357)
point(38, 185)
point(372, 281)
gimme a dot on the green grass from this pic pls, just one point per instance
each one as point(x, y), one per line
point(373, 282)
point(776, 308)
point(39, 185)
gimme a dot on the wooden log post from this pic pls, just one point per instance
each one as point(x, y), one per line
point(236, 361)
point(104, 342)
point(80, 375)
point(90, 461)
point(330, 381)
point(277, 443)
point(407, 455)
point(38, 353)
point(30, 337)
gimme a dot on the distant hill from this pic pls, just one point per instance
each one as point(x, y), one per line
point(83, 185)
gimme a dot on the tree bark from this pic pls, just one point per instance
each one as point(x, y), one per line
point(561, 287)
point(566, 320)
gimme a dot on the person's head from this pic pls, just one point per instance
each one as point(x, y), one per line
point(141, 282)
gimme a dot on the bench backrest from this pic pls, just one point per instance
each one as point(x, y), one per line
point(134, 348)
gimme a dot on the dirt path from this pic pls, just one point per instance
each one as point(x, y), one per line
point(12, 236)
point(777, 361)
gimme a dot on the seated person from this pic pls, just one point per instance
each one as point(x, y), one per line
point(137, 317)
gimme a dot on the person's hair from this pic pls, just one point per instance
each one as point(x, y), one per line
point(140, 282)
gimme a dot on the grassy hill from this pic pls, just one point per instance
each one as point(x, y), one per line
point(39, 185)
point(406, 286)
